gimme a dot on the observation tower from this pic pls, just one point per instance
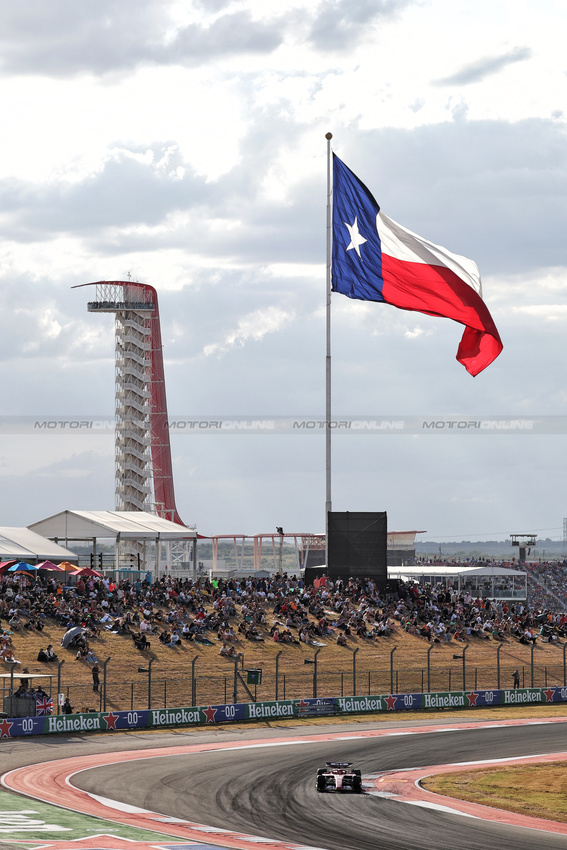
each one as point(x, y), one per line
point(144, 476)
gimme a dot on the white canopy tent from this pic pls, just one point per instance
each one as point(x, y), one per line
point(490, 582)
point(145, 531)
point(23, 544)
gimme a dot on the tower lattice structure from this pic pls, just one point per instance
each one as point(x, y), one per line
point(144, 476)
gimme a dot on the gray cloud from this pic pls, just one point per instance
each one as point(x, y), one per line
point(65, 38)
point(478, 71)
point(125, 192)
point(339, 24)
point(477, 187)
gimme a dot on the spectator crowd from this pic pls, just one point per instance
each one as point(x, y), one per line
point(280, 609)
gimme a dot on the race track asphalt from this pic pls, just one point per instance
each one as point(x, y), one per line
point(270, 791)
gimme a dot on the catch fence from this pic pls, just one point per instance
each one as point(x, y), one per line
point(150, 690)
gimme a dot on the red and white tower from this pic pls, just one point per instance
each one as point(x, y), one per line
point(144, 475)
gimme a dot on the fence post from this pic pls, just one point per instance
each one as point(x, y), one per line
point(150, 683)
point(465, 667)
point(392, 669)
point(498, 648)
point(60, 665)
point(12, 668)
point(235, 687)
point(277, 675)
point(315, 673)
point(104, 683)
point(193, 682)
point(564, 667)
point(532, 664)
point(429, 669)
point(354, 671)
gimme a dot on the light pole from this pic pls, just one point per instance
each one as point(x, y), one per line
point(280, 531)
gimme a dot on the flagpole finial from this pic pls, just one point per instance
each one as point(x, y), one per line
point(328, 136)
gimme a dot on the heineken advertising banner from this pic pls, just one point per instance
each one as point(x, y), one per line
point(114, 721)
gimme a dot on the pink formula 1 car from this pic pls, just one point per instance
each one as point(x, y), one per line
point(338, 776)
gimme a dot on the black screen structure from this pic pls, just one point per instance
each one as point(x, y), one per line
point(357, 545)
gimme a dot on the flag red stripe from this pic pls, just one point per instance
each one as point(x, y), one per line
point(438, 291)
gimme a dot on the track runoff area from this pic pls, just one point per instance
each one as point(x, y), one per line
point(51, 812)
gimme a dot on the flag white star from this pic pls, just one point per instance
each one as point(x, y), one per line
point(356, 240)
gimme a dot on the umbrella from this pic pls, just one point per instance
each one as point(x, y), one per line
point(69, 568)
point(70, 634)
point(48, 565)
point(86, 571)
point(22, 567)
point(5, 564)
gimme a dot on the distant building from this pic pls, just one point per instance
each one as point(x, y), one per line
point(401, 547)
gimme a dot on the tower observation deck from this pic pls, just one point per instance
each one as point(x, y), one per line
point(144, 476)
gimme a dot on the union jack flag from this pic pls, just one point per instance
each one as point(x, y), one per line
point(43, 705)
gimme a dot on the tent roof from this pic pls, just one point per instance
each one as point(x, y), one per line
point(128, 525)
point(451, 570)
point(23, 544)
point(19, 674)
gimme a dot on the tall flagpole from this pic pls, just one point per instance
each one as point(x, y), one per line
point(328, 503)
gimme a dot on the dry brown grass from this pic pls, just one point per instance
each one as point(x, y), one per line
point(171, 670)
point(537, 790)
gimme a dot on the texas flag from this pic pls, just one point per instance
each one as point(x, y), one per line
point(376, 259)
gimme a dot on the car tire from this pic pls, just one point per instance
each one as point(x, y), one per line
point(321, 784)
point(321, 771)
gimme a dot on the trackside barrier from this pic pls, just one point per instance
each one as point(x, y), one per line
point(113, 721)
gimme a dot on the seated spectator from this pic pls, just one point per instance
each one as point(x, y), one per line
point(528, 638)
point(15, 623)
point(50, 653)
point(341, 640)
point(175, 640)
point(141, 641)
point(228, 651)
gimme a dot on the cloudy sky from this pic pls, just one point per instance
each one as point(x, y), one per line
point(183, 143)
